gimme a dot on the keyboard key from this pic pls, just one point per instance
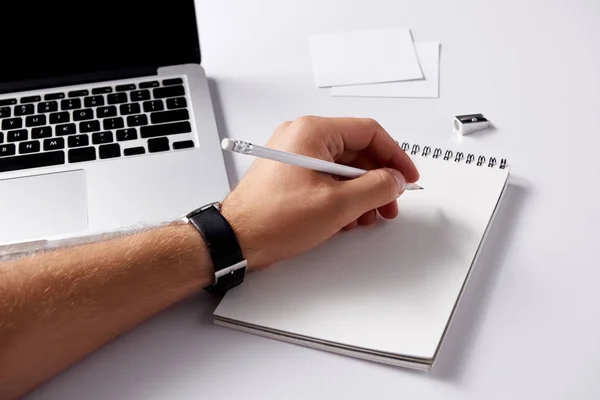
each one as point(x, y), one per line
point(79, 140)
point(4, 112)
point(81, 155)
point(70, 104)
point(8, 102)
point(113, 123)
point(131, 108)
point(126, 134)
point(12, 123)
point(42, 132)
point(102, 137)
point(7, 149)
point(117, 98)
point(101, 90)
point(79, 93)
point(137, 120)
point(174, 81)
point(17, 136)
point(47, 106)
point(165, 129)
point(158, 144)
point(177, 102)
point(134, 151)
point(30, 99)
point(54, 144)
point(54, 96)
point(83, 114)
point(169, 116)
point(25, 109)
point(89, 126)
point(109, 151)
point(149, 84)
point(124, 88)
point(60, 117)
point(171, 91)
point(104, 112)
point(154, 105)
point(93, 101)
point(184, 144)
point(45, 159)
point(35, 120)
point(29, 147)
point(140, 95)
point(64, 129)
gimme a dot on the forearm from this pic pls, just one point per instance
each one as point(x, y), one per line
point(59, 306)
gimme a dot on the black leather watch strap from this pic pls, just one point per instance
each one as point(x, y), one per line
point(225, 251)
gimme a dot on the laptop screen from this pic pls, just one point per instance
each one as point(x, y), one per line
point(52, 39)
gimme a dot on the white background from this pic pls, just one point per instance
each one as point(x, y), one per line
point(529, 324)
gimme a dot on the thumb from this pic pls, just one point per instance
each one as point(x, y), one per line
point(374, 189)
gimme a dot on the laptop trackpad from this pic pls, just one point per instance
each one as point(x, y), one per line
point(43, 205)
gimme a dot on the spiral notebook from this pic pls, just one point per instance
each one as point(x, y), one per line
point(385, 292)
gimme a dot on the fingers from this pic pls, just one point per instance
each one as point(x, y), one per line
point(373, 190)
point(368, 218)
point(343, 138)
point(351, 226)
point(388, 211)
point(366, 135)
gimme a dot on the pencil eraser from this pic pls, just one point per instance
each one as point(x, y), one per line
point(227, 144)
point(469, 123)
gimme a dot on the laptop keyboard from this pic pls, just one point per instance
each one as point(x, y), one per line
point(99, 123)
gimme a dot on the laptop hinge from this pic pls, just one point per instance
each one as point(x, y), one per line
point(69, 80)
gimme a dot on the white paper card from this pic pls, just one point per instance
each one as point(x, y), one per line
point(429, 59)
point(367, 56)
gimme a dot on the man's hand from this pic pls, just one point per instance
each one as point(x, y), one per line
point(278, 210)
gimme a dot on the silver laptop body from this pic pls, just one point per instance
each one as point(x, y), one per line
point(93, 171)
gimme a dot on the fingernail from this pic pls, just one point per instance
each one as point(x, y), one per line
point(399, 179)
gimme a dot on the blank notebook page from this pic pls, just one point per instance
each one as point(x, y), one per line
point(389, 287)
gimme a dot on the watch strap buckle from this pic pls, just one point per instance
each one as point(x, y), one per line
point(229, 277)
point(230, 270)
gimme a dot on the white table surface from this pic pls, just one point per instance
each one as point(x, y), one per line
point(529, 324)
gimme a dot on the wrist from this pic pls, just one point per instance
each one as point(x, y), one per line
point(238, 223)
point(180, 249)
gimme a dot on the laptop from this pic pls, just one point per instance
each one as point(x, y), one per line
point(106, 121)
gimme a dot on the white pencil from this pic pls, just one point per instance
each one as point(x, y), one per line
point(241, 147)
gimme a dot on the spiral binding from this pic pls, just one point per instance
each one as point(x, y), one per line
point(449, 155)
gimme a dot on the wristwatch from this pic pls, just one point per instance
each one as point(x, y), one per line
point(221, 241)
